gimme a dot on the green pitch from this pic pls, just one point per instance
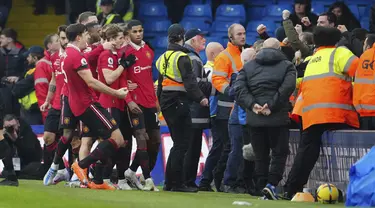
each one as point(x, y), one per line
point(34, 194)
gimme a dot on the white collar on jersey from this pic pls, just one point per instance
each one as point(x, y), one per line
point(61, 52)
point(137, 47)
point(73, 46)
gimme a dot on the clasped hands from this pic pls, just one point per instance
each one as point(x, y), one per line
point(258, 109)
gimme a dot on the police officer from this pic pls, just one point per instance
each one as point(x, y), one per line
point(177, 88)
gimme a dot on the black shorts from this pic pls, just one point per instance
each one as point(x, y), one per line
point(98, 121)
point(68, 120)
point(148, 119)
point(52, 121)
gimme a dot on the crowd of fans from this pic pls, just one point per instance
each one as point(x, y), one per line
point(269, 102)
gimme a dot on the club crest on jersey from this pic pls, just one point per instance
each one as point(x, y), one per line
point(113, 121)
point(85, 129)
point(66, 120)
point(135, 121)
point(148, 54)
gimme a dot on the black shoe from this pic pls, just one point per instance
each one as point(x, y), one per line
point(184, 188)
point(192, 185)
point(218, 185)
point(166, 188)
point(7, 182)
point(206, 188)
point(233, 190)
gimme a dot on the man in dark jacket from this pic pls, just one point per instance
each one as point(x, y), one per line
point(200, 115)
point(177, 87)
point(263, 88)
point(108, 15)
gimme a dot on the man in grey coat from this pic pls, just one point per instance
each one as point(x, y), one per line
point(263, 88)
point(200, 116)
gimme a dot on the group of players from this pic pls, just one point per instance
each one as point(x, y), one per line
point(102, 85)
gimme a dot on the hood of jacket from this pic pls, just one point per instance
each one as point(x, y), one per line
point(270, 56)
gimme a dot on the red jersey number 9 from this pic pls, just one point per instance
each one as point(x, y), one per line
point(62, 70)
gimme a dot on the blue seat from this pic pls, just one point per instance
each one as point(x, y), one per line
point(365, 23)
point(255, 12)
point(251, 39)
point(252, 26)
point(220, 28)
point(210, 39)
point(276, 11)
point(354, 9)
point(226, 12)
point(258, 2)
point(198, 12)
point(153, 12)
point(160, 42)
point(317, 8)
point(364, 10)
point(203, 56)
point(196, 1)
point(156, 28)
point(188, 24)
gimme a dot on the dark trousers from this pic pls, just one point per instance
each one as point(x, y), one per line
point(32, 117)
point(248, 172)
point(192, 157)
point(235, 158)
point(307, 155)
point(213, 155)
point(367, 123)
point(263, 139)
point(180, 128)
point(218, 172)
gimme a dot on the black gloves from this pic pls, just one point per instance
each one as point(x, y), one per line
point(127, 61)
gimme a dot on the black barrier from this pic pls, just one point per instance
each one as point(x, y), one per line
point(340, 150)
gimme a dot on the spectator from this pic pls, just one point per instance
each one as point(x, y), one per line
point(302, 14)
point(87, 17)
point(24, 90)
point(258, 45)
point(12, 63)
point(344, 16)
point(5, 7)
point(77, 7)
point(263, 88)
point(25, 155)
point(108, 15)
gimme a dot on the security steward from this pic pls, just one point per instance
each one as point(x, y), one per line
point(108, 15)
point(327, 102)
point(177, 88)
point(125, 8)
point(364, 87)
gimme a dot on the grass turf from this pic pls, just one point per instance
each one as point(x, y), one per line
point(34, 194)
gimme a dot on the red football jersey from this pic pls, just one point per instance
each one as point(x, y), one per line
point(92, 53)
point(141, 73)
point(81, 96)
point(109, 60)
point(59, 76)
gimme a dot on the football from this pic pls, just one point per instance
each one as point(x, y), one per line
point(327, 194)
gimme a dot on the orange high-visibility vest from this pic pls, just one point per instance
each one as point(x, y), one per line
point(364, 84)
point(327, 88)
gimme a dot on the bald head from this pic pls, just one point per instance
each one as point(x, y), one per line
point(237, 35)
point(212, 50)
point(247, 55)
point(271, 43)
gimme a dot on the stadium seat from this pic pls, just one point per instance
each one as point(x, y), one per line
point(156, 28)
point(202, 55)
point(220, 28)
point(196, 2)
point(365, 23)
point(251, 39)
point(227, 12)
point(198, 12)
point(364, 10)
point(317, 8)
point(354, 9)
point(153, 12)
point(188, 24)
point(252, 26)
point(276, 11)
point(160, 42)
point(210, 39)
point(255, 12)
point(258, 2)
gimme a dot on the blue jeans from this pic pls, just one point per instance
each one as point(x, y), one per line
point(213, 156)
point(235, 157)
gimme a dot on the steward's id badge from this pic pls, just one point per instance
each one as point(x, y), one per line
point(16, 163)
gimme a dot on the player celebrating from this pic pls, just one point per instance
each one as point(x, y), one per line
point(110, 70)
point(79, 81)
point(142, 106)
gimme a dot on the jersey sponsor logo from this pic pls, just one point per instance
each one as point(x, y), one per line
point(138, 69)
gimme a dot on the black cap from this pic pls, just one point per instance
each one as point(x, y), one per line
point(34, 49)
point(193, 32)
point(106, 2)
point(176, 31)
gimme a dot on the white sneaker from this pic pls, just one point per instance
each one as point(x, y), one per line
point(149, 185)
point(108, 181)
point(73, 184)
point(132, 178)
point(123, 185)
point(50, 175)
point(62, 175)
